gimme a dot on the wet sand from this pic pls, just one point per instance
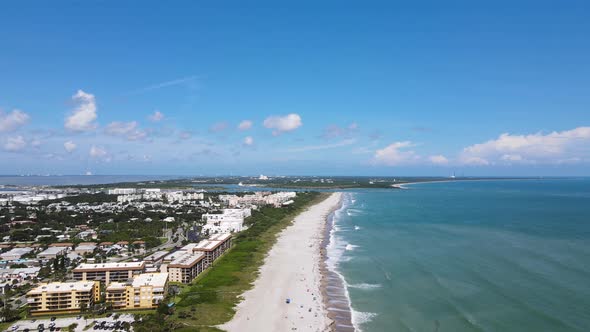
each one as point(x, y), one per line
point(333, 290)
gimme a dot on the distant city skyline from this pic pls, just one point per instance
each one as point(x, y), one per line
point(310, 88)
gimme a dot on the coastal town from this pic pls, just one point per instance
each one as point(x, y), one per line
point(72, 257)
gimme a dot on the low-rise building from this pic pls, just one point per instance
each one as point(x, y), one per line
point(19, 274)
point(231, 220)
point(108, 272)
point(15, 254)
point(156, 257)
point(122, 191)
point(85, 248)
point(62, 297)
point(52, 252)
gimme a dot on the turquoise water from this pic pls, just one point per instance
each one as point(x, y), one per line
point(468, 256)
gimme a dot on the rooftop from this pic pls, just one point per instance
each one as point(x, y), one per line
point(187, 260)
point(150, 279)
point(207, 245)
point(52, 251)
point(220, 237)
point(58, 287)
point(111, 266)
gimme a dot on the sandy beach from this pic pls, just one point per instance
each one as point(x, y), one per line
point(291, 271)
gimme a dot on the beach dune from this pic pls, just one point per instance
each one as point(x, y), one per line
point(290, 271)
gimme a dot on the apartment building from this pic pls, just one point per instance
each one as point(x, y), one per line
point(214, 247)
point(63, 297)
point(187, 267)
point(108, 272)
point(146, 291)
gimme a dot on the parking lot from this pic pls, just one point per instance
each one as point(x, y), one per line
point(60, 324)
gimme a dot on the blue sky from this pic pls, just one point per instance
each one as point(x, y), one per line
point(347, 88)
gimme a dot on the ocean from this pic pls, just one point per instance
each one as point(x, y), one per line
point(467, 256)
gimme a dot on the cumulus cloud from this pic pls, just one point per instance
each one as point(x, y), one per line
point(157, 116)
point(130, 130)
point(539, 148)
point(282, 124)
point(69, 146)
point(83, 116)
point(13, 120)
point(245, 125)
point(396, 154)
point(438, 160)
point(15, 144)
point(248, 140)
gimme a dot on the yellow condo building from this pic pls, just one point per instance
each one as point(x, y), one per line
point(63, 297)
point(146, 291)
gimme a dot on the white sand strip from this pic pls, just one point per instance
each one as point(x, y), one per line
point(290, 271)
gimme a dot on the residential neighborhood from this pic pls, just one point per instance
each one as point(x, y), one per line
point(81, 251)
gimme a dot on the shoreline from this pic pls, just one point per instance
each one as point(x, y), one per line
point(287, 294)
point(334, 293)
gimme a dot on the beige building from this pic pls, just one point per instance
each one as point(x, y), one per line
point(214, 247)
point(146, 291)
point(62, 297)
point(187, 267)
point(108, 272)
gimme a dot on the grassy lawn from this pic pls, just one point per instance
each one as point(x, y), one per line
point(211, 298)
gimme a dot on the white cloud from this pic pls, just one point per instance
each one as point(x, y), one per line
point(98, 152)
point(157, 116)
point(13, 120)
point(282, 124)
point(439, 160)
point(512, 157)
point(245, 125)
point(248, 140)
point(130, 130)
point(82, 118)
point(15, 144)
point(474, 161)
point(323, 147)
point(36, 143)
point(69, 146)
point(396, 154)
point(532, 148)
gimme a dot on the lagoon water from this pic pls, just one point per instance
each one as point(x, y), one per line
point(468, 256)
